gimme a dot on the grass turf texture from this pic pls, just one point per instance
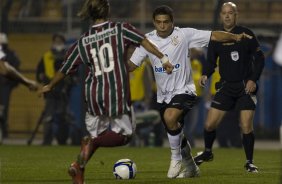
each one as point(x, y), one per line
point(36, 164)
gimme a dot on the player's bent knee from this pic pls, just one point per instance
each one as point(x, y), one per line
point(171, 122)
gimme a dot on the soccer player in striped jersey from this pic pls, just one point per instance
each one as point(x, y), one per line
point(9, 71)
point(176, 93)
point(107, 94)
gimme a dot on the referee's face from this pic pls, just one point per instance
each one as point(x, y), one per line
point(163, 25)
point(228, 16)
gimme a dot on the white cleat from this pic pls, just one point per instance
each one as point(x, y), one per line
point(174, 168)
point(189, 172)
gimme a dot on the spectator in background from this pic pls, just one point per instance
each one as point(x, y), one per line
point(7, 84)
point(55, 121)
point(8, 71)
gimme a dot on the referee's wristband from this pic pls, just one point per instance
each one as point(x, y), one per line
point(164, 59)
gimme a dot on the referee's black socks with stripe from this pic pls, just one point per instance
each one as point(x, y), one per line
point(209, 137)
point(248, 143)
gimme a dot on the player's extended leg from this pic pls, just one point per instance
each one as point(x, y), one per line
point(108, 138)
point(174, 133)
point(76, 170)
point(213, 119)
point(246, 123)
point(89, 146)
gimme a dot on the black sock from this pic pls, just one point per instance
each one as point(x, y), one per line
point(248, 143)
point(174, 132)
point(209, 139)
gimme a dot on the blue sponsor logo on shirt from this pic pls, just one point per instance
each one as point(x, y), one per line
point(162, 70)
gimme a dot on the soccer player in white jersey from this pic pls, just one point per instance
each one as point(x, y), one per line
point(176, 92)
point(10, 72)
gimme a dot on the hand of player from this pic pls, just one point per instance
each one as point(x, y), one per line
point(45, 89)
point(168, 67)
point(32, 85)
point(242, 36)
point(251, 87)
point(203, 80)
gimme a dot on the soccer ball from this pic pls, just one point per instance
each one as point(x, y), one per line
point(124, 169)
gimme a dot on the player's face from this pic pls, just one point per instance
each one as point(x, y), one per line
point(228, 16)
point(163, 25)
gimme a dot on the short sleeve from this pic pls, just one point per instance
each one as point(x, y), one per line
point(131, 34)
point(72, 60)
point(138, 56)
point(197, 38)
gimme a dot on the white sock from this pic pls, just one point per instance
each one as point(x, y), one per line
point(175, 143)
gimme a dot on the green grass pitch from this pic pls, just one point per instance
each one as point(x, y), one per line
point(44, 165)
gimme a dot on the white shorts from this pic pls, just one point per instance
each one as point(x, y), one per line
point(121, 124)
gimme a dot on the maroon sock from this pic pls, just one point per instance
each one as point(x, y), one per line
point(109, 139)
point(106, 139)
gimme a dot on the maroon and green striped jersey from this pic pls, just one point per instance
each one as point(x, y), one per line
point(103, 50)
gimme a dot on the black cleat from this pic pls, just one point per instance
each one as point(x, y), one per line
point(250, 167)
point(201, 157)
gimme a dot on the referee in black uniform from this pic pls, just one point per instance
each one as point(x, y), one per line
point(240, 66)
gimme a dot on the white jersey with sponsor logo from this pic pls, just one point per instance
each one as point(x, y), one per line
point(176, 46)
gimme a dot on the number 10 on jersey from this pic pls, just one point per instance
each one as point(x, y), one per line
point(104, 51)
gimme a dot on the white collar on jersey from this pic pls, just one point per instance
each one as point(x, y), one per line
point(97, 25)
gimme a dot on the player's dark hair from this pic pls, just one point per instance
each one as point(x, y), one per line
point(163, 10)
point(95, 9)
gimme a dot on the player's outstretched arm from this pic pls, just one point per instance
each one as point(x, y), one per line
point(9, 71)
point(222, 36)
point(154, 50)
point(58, 77)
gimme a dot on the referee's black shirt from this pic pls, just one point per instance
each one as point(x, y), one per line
point(237, 60)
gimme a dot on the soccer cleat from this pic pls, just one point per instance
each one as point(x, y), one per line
point(201, 157)
point(174, 168)
point(189, 171)
point(250, 167)
point(76, 173)
point(190, 168)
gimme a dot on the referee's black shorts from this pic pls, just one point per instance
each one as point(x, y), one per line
point(232, 95)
